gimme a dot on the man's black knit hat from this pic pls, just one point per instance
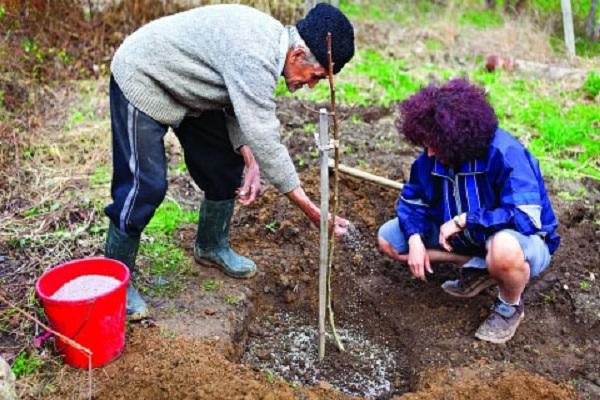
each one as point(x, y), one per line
point(314, 27)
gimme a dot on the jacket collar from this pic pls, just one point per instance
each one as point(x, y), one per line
point(468, 168)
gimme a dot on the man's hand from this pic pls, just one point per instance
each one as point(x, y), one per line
point(449, 229)
point(251, 187)
point(341, 225)
point(299, 197)
point(418, 259)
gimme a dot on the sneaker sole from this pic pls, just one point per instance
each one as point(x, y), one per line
point(473, 292)
point(211, 264)
point(504, 339)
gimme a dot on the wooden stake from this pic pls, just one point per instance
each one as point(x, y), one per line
point(336, 147)
point(367, 176)
point(323, 261)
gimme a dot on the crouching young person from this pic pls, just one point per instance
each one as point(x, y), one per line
point(475, 198)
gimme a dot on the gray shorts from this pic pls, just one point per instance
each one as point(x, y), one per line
point(535, 249)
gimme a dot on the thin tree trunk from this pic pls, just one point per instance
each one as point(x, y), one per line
point(568, 26)
point(589, 28)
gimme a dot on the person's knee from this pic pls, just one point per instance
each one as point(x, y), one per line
point(384, 246)
point(504, 254)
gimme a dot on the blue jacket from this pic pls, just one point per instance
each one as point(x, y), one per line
point(504, 190)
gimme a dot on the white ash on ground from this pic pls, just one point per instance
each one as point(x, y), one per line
point(85, 287)
point(289, 349)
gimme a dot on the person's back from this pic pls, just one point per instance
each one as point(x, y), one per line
point(179, 64)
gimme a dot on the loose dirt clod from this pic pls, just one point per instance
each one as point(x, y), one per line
point(85, 287)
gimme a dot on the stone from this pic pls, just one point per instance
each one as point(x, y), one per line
point(7, 382)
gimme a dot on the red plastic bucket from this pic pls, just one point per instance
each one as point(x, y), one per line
point(97, 323)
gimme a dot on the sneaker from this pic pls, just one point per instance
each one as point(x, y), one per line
point(472, 281)
point(502, 323)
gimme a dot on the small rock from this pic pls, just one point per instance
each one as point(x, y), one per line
point(266, 289)
point(2, 258)
point(7, 382)
point(210, 311)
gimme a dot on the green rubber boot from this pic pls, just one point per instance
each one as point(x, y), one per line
point(123, 247)
point(212, 242)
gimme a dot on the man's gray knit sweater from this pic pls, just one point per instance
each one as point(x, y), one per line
point(210, 58)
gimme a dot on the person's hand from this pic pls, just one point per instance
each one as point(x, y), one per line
point(418, 259)
point(341, 226)
point(251, 186)
point(449, 229)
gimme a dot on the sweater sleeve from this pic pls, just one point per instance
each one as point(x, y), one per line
point(251, 86)
point(520, 203)
point(413, 208)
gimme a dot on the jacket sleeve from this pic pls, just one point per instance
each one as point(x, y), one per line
point(520, 203)
point(251, 87)
point(413, 208)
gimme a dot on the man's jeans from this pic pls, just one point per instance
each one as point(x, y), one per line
point(139, 182)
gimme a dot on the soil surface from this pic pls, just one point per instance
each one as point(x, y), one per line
point(403, 337)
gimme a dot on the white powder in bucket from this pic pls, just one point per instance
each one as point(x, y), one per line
point(85, 287)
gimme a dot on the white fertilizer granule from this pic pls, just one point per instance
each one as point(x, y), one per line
point(85, 287)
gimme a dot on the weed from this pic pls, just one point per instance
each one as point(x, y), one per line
point(301, 161)
point(212, 285)
point(591, 86)
point(232, 300)
point(270, 376)
point(313, 152)
point(25, 364)
point(585, 284)
point(310, 128)
point(272, 226)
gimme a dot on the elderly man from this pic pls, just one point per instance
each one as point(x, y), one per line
point(210, 74)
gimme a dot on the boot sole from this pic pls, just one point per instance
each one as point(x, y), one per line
point(472, 292)
point(138, 316)
point(503, 339)
point(211, 264)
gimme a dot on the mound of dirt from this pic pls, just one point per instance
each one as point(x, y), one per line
point(468, 384)
point(157, 365)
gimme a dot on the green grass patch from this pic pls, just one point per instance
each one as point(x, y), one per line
point(591, 86)
point(169, 217)
point(481, 19)
point(212, 285)
point(101, 175)
point(25, 364)
point(166, 266)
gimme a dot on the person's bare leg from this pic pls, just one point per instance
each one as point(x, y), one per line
point(506, 263)
point(435, 256)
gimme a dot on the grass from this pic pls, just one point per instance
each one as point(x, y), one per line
point(561, 130)
point(25, 364)
point(167, 264)
point(212, 285)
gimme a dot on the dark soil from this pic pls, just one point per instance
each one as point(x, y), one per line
point(415, 321)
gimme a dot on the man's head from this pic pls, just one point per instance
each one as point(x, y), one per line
point(307, 61)
point(454, 121)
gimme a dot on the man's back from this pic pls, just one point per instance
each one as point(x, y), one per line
point(178, 64)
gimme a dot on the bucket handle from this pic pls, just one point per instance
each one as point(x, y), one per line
point(85, 320)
